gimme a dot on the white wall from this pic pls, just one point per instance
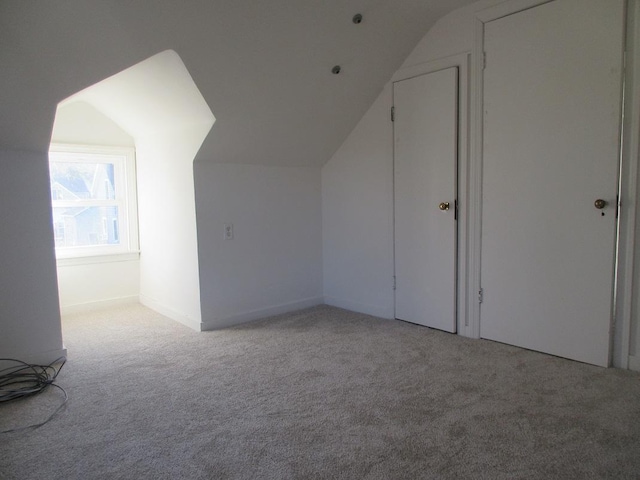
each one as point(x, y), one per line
point(357, 187)
point(169, 278)
point(357, 261)
point(157, 102)
point(102, 281)
point(452, 34)
point(52, 50)
point(357, 216)
point(274, 262)
point(28, 295)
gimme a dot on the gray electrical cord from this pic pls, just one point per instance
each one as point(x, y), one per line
point(24, 380)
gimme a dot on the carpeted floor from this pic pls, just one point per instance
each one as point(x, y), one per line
point(320, 393)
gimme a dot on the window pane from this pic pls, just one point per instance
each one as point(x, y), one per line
point(85, 226)
point(82, 181)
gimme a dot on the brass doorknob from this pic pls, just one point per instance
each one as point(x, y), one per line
point(600, 204)
point(444, 206)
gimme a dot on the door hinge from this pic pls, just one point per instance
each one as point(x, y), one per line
point(617, 206)
point(394, 282)
point(480, 295)
point(455, 210)
point(484, 60)
point(393, 114)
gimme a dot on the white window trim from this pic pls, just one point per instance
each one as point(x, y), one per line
point(110, 258)
point(128, 249)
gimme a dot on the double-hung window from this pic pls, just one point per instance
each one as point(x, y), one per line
point(93, 200)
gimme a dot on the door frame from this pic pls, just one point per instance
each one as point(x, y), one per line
point(462, 62)
point(628, 184)
point(628, 194)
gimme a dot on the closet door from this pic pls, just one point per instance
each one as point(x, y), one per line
point(425, 163)
point(552, 96)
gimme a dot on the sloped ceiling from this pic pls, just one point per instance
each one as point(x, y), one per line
point(263, 67)
point(152, 98)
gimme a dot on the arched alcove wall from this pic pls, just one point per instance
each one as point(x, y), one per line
point(103, 281)
point(157, 103)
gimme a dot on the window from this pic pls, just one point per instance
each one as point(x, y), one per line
point(93, 200)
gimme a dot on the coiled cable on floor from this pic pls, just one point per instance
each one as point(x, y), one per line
point(24, 380)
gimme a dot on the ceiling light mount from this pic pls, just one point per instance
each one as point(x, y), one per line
point(357, 18)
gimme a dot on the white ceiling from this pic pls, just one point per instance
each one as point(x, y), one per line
point(263, 67)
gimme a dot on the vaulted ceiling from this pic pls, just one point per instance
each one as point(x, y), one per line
point(263, 67)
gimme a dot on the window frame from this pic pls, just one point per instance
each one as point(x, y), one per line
point(124, 161)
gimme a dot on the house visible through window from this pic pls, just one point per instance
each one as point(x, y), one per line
point(93, 200)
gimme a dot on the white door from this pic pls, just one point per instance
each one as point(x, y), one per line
point(552, 88)
point(425, 164)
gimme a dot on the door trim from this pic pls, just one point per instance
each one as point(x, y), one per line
point(622, 357)
point(628, 185)
point(475, 171)
point(463, 62)
point(508, 8)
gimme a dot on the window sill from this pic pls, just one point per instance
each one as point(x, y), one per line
point(93, 259)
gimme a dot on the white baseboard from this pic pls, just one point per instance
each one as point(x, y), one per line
point(153, 304)
point(634, 363)
point(237, 319)
point(376, 311)
point(99, 305)
point(36, 358)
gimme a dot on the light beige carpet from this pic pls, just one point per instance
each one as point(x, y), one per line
point(320, 393)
